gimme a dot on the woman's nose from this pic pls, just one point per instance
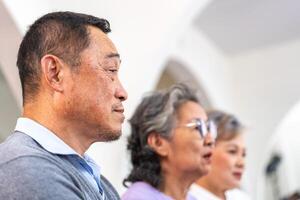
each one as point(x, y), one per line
point(209, 141)
point(241, 162)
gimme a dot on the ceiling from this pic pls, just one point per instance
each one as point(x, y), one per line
point(236, 26)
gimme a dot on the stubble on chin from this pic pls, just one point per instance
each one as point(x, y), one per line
point(109, 136)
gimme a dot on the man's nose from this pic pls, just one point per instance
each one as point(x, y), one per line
point(121, 93)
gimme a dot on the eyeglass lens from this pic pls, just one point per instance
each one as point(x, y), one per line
point(205, 128)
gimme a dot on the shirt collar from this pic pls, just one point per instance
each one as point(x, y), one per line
point(46, 138)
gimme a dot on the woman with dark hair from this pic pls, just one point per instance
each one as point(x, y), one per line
point(170, 145)
point(227, 165)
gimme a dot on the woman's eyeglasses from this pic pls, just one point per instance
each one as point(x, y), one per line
point(204, 127)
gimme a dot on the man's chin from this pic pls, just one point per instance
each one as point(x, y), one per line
point(109, 136)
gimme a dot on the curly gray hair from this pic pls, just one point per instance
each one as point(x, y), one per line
point(156, 113)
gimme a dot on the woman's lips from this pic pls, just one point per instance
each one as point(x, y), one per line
point(207, 157)
point(238, 175)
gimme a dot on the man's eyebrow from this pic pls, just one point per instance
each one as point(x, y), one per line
point(113, 55)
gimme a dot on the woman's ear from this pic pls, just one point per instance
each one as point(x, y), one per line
point(159, 144)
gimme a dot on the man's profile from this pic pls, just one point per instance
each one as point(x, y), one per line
point(72, 97)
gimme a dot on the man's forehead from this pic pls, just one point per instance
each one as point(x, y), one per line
point(103, 44)
point(97, 34)
point(113, 56)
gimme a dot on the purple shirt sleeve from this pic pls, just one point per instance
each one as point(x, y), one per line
point(144, 191)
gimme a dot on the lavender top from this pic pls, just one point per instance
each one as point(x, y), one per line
point(144, 191)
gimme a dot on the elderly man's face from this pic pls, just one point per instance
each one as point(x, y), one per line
point(95, 94)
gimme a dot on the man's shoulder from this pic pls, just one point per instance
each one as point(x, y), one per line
point(26, 167)
point(21, 155)
point(19, 145)
point(36, 177)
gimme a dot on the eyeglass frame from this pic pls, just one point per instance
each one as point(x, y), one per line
point(203, 127)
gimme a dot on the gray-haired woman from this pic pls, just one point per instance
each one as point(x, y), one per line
point(170, 145)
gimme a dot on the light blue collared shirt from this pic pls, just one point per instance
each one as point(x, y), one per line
point(50, 142)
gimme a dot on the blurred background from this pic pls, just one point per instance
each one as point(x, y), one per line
point(242, 55)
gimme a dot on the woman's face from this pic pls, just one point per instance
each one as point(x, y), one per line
point(187, 154)
point(228, 162)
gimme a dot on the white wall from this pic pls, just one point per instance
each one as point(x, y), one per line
point(10, 39)
point(285, 143)
point(208, 65)
point(266, 86)
point(10, 89)
point(9, 110)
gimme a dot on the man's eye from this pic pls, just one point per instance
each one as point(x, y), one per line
point(113, 70)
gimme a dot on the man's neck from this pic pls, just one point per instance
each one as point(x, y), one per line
point(62, 128)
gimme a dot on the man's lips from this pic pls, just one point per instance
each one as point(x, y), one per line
point(118, 108)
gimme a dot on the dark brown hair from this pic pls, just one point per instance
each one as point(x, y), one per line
point(63, 34)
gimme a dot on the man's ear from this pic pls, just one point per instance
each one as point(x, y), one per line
point(52, 69)
point(159, 144)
